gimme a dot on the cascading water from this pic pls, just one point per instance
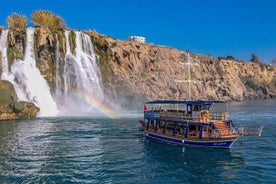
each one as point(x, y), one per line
point(81, 78)
point(3, 49)
point(57, 68)
point(27, 80)
point(78, 89)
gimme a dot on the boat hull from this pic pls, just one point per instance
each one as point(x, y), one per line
point(218, 143)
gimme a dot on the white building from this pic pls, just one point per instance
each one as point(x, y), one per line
point(139, 39)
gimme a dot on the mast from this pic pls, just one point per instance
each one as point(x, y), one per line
point(189, 81)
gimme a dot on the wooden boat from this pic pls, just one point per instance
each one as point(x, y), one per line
point(192, 122)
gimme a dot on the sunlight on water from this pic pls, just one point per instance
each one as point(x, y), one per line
point(104, 150)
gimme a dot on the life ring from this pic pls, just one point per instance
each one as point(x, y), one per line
point(204, 116)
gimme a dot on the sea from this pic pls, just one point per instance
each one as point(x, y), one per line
point(104, 150)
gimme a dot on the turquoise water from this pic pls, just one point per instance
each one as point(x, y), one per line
point(101, 150)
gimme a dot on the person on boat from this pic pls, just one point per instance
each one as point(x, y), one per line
point(204, 115)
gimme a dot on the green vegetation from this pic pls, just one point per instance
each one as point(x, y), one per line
point(17, 22)
point(12, 55)
point(102, 49)
point(251, 82)
point(46, 19)
point(62, 42)
point(72, 41)
point(17, 34)
point(226, 58)
point(255, 58)
point(272, 85)
point(51, 24)
point(7, 92)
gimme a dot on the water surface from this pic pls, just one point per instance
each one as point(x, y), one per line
point(102, 150)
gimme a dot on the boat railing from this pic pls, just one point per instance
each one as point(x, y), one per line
point(251, 130)
point(182, 116)
point(219, 116)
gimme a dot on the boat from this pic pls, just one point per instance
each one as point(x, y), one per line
point(201, 123)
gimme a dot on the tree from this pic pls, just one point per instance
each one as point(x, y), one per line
point(47, 19)
point(230, 57)
point(17, 22)
point(255, 58)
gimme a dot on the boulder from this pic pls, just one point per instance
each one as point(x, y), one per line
point(7, 92)
point(10, 108)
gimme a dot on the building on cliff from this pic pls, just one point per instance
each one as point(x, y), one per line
point(139, 39)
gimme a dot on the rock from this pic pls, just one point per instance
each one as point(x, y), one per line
point(25, 110)
point(136, 72)
point(16, 45)
point(10, 109)
point(149, 71)
point(7, 93)
point(8, 116)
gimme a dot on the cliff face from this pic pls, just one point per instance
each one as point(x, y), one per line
point(133, 72)
point(138, 71)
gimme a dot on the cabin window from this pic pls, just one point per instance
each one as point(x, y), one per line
point(193, 130)
point(151, 125)
point(160, 125)
point(205, 107)
point(169, 128)
point(197, 108)
point(180, 129)
point(189, 109)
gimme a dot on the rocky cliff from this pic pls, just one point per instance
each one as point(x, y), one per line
point(134, 72)
point(10, 108)
point(138, 71)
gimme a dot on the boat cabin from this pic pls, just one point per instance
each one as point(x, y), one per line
point(188, 119)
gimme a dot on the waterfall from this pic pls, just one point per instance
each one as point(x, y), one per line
point(57, 68)
point(3, 49)
point(28, 82)
point(77, 87)
point(81, 78)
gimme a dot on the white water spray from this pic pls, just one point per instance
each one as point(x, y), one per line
point(81, 77)
point(77, 78)
point(28, 82)
point(3, 50)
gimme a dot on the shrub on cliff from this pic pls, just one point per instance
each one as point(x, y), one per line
point(17, 22)
point(255, 58)
point(16, 37)
point(226, 58)
point(72, 41)
point(47, 19)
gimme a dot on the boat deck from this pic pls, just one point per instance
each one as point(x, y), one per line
point(181, 116)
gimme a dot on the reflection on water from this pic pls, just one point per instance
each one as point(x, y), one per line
point(48, 146)
point(195, 165)
point(90, 150)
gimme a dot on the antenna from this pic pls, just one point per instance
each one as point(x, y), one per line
point(189, 81)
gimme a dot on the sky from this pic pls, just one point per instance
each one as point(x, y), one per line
point(235, 28)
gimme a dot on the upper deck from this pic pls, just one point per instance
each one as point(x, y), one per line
point(184, 111)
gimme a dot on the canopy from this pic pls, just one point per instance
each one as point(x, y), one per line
point(196, 102)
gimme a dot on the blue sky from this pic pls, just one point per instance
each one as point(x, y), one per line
point(216, 27)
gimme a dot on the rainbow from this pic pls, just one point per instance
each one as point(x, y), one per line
point(95, 103)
